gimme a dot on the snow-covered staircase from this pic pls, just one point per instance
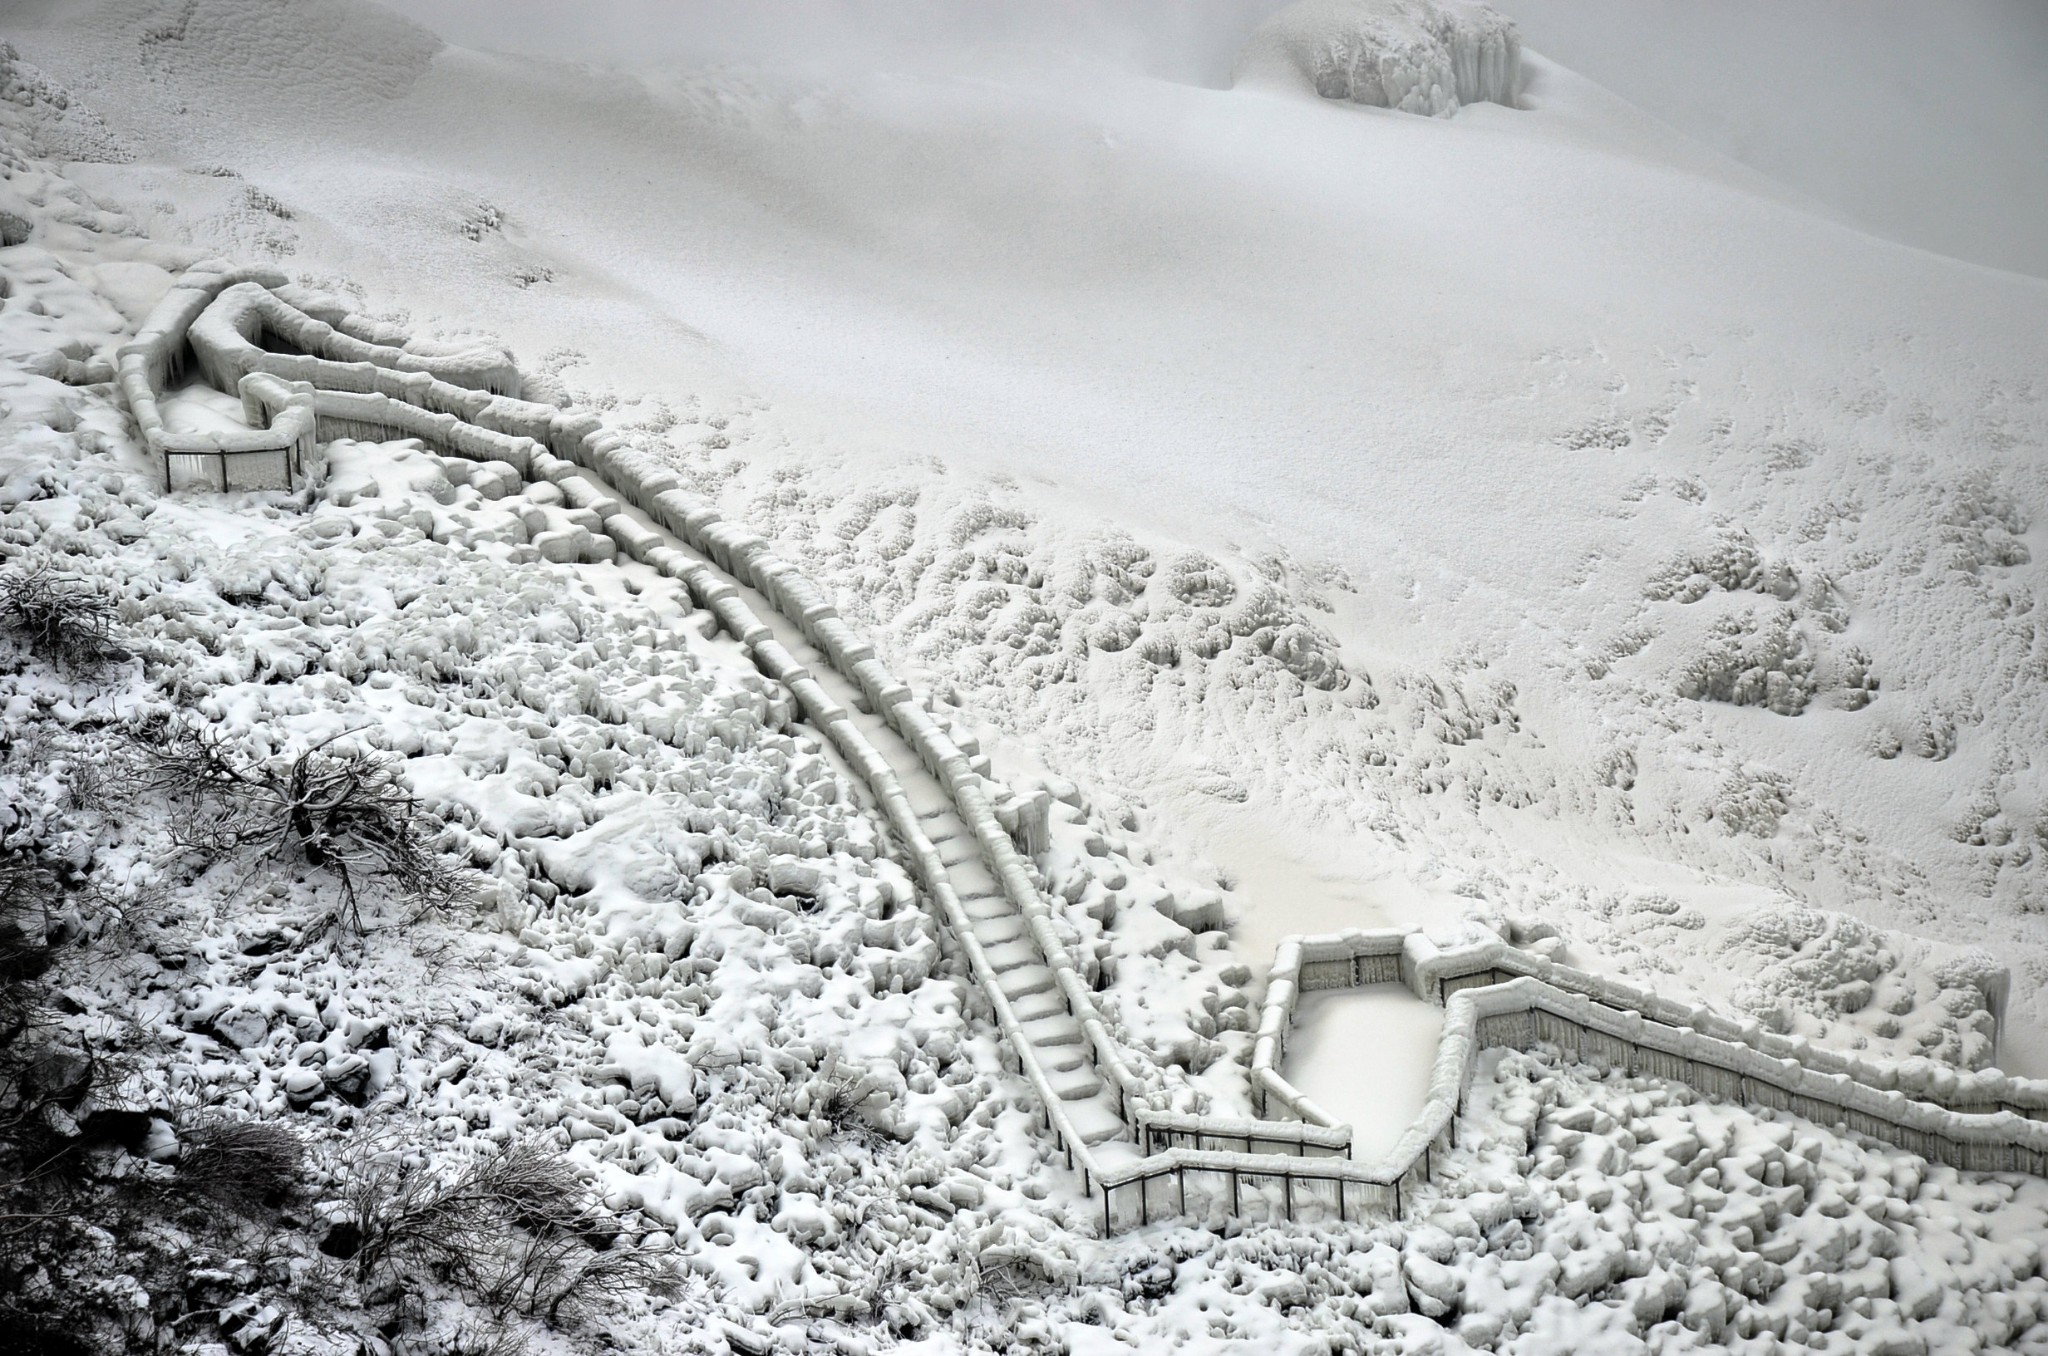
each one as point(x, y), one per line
point(1056, 1041)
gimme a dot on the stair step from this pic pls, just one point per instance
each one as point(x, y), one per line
point(1004, 957)
point(1052, 1030)
point(1027, 980)
point(1095, 1121)
point(1038, 1005)
point(1061, 1058)
point(955, 850)
point(1113, 1153)
point(1074, 1085)
point(998, 931)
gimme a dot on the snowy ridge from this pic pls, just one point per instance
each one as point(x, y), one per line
point(1496, 995)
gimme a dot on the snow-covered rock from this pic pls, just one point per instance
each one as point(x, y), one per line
point(1418, 56)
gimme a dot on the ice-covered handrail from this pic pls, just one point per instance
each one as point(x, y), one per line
point(156, 356)
point(217, 313)
point(747, 557)
point(659, 493)
point(1435, 969)
point(228, 334)
point(346, 385)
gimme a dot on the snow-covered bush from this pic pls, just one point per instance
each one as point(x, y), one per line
point(346, 811)
point(515, 1228)
point(1754, 658)
point(63, 618)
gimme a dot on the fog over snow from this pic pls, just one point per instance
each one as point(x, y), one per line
point(1922, 122)
point(1606, 516)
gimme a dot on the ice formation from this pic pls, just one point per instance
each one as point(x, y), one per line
point(1418, 56)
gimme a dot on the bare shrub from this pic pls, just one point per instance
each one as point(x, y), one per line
point(515, 1230)
point(346, 812)
point(244, 1165)
point(63, 618)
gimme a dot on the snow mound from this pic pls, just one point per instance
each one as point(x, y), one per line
point(1418, 56)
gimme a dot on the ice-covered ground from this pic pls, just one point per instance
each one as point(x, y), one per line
point(1524, 514)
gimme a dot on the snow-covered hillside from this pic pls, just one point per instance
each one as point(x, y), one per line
point(1528, 511)
point(1522, 516)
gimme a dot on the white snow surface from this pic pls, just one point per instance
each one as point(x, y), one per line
point(1926, 123)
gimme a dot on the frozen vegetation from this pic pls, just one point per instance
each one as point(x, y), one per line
point(479, 898)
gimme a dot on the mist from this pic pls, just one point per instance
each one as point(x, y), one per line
point(1924, 123)
point(1185, 41)
point(1927, 123)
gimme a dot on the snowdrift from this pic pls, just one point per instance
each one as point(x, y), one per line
point(1418, 56)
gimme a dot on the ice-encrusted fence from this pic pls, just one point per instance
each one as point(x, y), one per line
point(280, 440)
point(1496, 995)
point(353, 378)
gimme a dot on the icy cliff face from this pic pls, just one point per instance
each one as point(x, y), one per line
point(1418, 56)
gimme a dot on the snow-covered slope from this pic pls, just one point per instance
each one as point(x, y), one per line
point(1524, 515)
point(1530, 512)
